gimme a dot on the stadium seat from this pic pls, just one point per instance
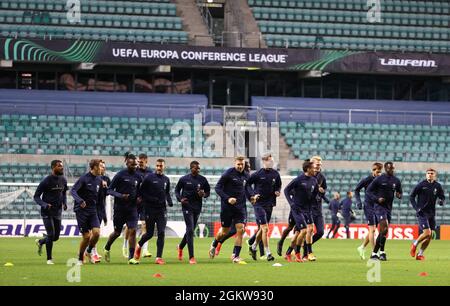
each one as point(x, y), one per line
point(101, 20)
point(348, 20)
point(347, 137)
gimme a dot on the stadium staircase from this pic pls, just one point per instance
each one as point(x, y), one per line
point(241, 22)
point(193, 22)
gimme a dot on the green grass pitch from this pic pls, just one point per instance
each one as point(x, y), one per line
point(338, 264)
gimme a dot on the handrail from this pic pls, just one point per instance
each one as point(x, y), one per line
point(206, 15)
point(74, 106)
point(219, 39)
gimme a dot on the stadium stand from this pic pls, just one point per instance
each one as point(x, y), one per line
point(341, 141)
point(410, 131)
point(416, 26)
point(28, 126)
point(135, 21)
point(52, 134)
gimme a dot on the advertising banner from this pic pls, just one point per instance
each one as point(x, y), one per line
point(445, 232)
point(102, 52)
point(357, 231)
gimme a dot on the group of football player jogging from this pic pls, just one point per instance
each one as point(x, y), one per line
point(141, 194)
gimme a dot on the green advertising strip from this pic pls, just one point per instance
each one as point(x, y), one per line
point(324, 61)
point(25, 50)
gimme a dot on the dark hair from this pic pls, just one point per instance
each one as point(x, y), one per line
point(307, 164)
point(126, 155)
point(54, 163)
point(143, 156)
point(193, 163)
point(94, 163)
point(247, 166)
point(266, 156)
point(388, 163)
point(131, 156)
point(160, 160)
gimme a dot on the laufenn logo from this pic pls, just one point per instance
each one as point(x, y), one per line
point(407, 62)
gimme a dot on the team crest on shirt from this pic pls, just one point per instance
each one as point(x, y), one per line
point(98, 188)
point(435, 191)
point(393, 186)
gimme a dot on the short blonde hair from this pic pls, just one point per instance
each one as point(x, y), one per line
point(266, 156)
point(316, 157)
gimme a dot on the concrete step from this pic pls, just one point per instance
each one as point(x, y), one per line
point(193, 23)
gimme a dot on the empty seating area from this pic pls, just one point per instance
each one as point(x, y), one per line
point(86, 135)
point(136, 21)
point(368, 142)
point(416, 26)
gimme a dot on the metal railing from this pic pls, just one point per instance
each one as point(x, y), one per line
point(206, 15)
point(10, 147)
point(349, 116)
point(231, 39)
point(240, 39)
point(112, 109)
